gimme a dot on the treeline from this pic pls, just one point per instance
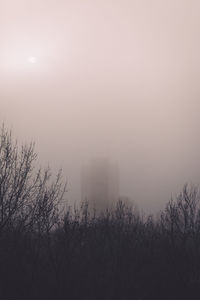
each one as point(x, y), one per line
point(47, 252)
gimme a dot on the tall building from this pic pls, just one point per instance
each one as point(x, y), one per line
point(100, 184)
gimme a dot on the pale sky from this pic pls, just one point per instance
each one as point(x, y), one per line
point(88, 78)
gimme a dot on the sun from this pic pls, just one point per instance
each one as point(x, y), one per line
point(32, 60)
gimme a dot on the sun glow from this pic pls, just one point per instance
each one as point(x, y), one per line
point(32, 59)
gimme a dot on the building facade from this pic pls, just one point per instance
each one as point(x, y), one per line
point(100, 184)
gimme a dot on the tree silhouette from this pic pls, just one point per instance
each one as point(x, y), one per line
point(28, 198)
point(47, 252)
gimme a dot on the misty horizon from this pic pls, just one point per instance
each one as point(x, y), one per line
point(110, 79)
point(99, 149)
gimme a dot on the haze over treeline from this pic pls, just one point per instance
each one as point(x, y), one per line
point(118, 79)
point(50, 250)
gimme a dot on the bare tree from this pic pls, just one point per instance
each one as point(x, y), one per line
point(28, 197)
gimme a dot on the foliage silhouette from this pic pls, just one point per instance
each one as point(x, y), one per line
point(118, 254)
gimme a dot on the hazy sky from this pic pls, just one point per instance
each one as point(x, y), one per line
point(118, 78)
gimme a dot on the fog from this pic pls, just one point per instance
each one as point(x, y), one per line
point(111, 78)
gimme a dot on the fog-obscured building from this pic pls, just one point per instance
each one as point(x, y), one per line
point(100, 183)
